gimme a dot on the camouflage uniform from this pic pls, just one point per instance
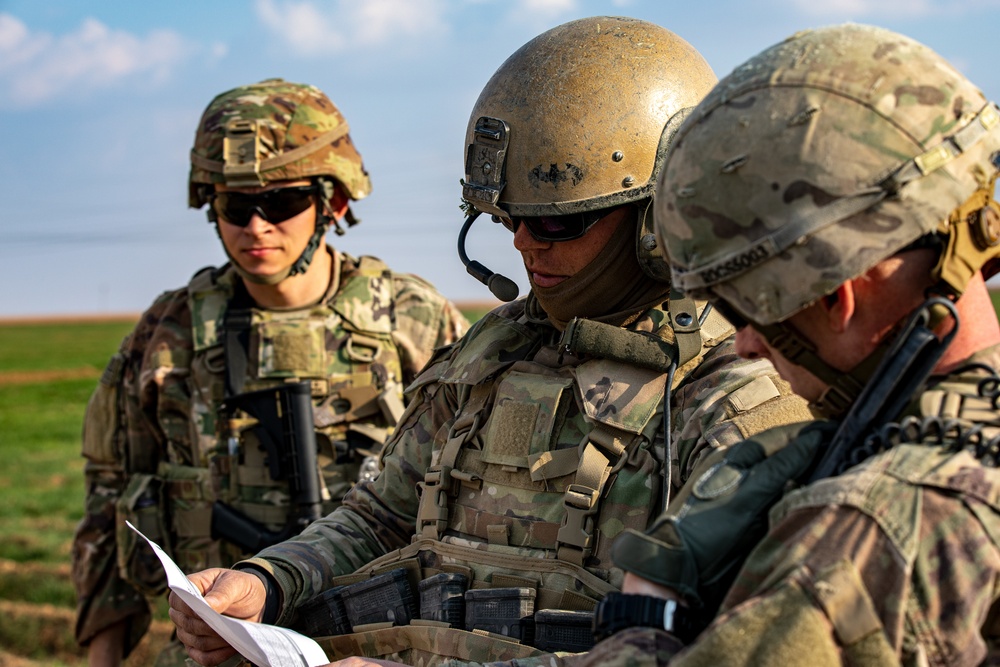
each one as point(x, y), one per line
point(820, 158)
point(505, 431)
point(531, 443)
point(152, 440)
point(895, 562)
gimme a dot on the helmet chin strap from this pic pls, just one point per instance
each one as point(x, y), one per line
point(324, 215)
point(843, 387)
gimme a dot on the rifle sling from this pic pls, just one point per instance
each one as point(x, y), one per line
point(236, 338)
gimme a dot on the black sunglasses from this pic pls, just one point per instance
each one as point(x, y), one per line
point(727, 311)
point(275, 206)
point(556, 227)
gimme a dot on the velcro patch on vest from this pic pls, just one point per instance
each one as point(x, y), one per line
point(290, 349)
point(511, 441)
point(291, 352)
point(528, 410)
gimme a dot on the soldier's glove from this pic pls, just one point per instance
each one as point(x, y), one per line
point(699, 544)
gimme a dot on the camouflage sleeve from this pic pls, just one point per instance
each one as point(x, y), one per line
point(123, 434)
point(377, 516)
point(425, 321)
point(827, 586)
point(723, 400)
point(912, 597)
point(103, 598)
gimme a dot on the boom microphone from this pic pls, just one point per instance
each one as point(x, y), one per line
point(502, 287)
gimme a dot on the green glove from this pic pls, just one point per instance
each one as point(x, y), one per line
point(699, 544)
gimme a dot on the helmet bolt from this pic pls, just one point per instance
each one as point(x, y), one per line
point(628, 181)
point(487, 167)
point(618, 156)
point(648, 242)
point(684, 319)
point(986, 228)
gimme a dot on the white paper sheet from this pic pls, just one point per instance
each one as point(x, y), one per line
point(263, 645)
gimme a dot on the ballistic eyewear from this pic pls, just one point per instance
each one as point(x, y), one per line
point(555, 227)
point(275, 206)
point(727, 311)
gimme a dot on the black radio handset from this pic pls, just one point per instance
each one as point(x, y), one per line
point(502, 287)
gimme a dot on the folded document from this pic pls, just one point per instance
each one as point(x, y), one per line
point(263, 645)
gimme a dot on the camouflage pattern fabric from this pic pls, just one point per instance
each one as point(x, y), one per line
point(519, 410)
point(827, 152)
point(289, 117)
point(151, 432)
point(897, 561)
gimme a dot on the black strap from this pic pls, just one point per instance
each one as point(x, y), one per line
point(236, 338)
point(619, 611)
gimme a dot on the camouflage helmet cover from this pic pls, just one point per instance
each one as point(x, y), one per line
point(292, 131)
point(817, 159)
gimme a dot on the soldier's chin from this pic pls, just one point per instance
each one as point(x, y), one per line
point(262, 278)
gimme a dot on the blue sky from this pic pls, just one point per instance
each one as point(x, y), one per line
point(99, 100)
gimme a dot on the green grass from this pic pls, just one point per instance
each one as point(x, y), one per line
point(41, 482)
point(60, 346)
point(41, 479)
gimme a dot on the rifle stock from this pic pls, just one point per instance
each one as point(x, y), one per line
point(287, 434)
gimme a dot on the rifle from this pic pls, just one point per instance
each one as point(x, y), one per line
point(898, 376)
point(286, 432)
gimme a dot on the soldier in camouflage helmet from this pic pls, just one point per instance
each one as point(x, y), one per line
point(561, 419)
point(835, 195)
point(276, 166)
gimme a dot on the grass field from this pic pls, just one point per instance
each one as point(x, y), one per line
point(47, 371)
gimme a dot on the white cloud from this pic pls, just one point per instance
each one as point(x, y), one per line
point(218, 50)
point(542, 9)
point(36, 67)
point(322, 27)
point(890, 8)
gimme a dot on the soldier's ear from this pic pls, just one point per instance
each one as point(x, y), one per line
point(339, 201)
point(839, 307)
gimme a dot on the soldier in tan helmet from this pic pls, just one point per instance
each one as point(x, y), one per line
point(178, 437)
point(562, 418)
point(835, 195)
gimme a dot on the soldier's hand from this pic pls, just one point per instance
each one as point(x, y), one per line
point(230, 592)
point(357, 661)
point(699, 544)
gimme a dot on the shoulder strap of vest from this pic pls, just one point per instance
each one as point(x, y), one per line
point(604, 452)
point(208, 296)
point(367, 279)
point(236, 338)
point(432, 513)
point(687, 329)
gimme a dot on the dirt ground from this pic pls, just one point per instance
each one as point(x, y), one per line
point(55, 632)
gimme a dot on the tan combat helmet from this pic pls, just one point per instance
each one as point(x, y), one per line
point(272, 131)
point(579, 119)
point(819, 158)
